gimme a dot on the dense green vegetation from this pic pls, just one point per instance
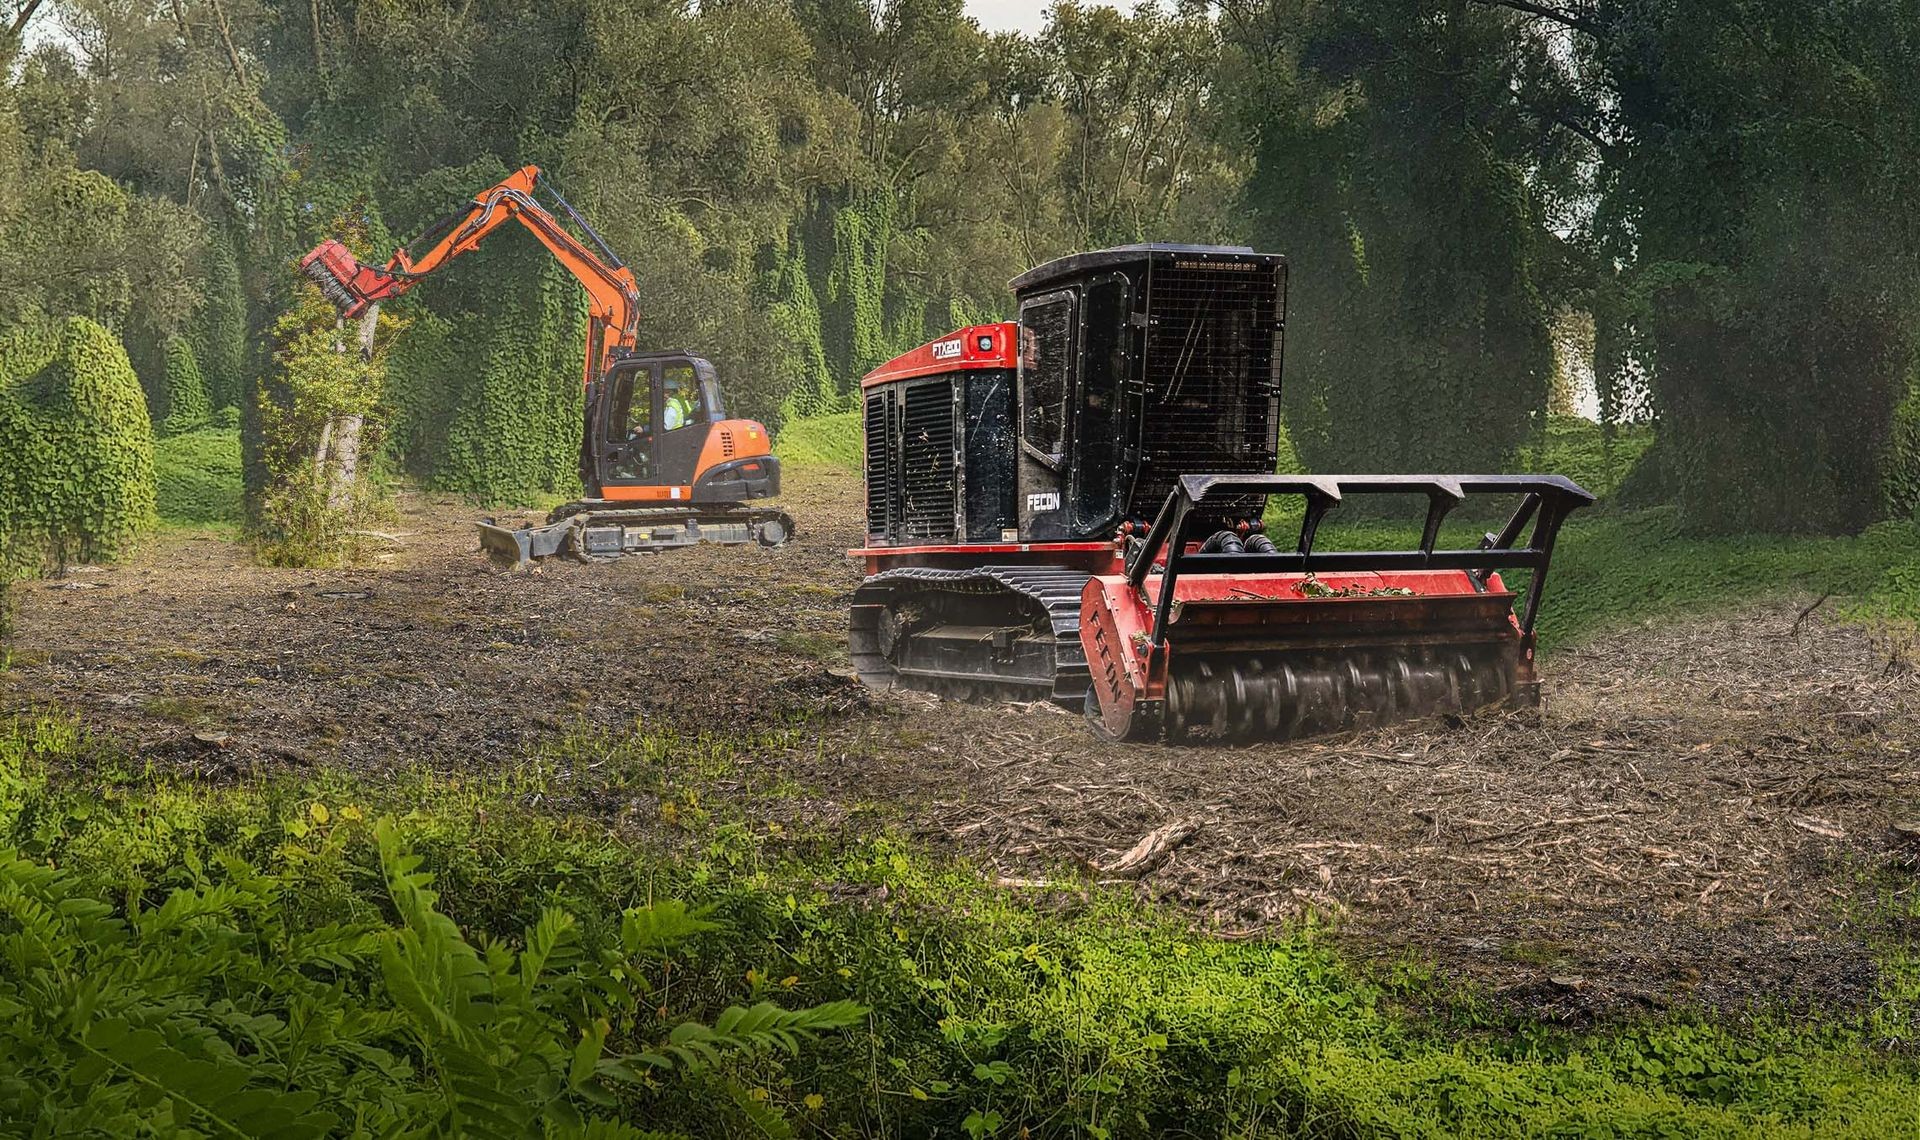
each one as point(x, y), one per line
point(198, 477)
point(77, 483)
point(293, 964)
point(836, 441)
point(1720, 196)
point(186, 404)
point(1721, 192)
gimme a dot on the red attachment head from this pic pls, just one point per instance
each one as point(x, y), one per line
point(344, 281)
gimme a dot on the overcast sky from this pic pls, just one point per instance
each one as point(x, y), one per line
point(1009, 15)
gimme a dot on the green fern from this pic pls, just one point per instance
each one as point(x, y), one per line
point(209, 1013)
point(747, 1030)
point(518, 1042)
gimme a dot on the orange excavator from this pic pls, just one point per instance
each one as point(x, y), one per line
point(662, 464)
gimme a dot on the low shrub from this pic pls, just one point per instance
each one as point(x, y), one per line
point(76, 448)
point(187, 406)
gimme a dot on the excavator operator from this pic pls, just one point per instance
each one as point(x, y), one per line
point(681, 398)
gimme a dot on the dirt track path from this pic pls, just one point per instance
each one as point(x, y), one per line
point(1702, 813)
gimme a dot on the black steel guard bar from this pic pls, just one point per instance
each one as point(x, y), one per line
point(1546, 502)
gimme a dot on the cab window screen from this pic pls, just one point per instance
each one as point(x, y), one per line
point(1046, 371)
point(681, 389)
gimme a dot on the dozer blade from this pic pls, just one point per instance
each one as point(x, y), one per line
point(1266, 644)
point(520, 547)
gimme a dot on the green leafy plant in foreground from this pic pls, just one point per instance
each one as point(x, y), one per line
point(210, 1014)
point(295, 948)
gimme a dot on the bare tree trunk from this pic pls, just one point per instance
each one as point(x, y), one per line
point(324, 447)
point(20, 18)
point(340, 440)
point(226, 39)
point(346, 462)
point(313, 15)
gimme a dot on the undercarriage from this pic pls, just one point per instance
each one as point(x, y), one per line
point(595, 531)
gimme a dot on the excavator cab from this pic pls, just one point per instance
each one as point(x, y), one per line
point(658, 429)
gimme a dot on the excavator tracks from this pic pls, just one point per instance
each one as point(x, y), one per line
point(989, 633)
point(592, 533)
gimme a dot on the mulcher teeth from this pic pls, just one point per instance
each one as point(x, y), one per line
point(330, 286)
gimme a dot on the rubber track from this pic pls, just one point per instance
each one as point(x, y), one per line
point(1058, 591)
point(713, 512)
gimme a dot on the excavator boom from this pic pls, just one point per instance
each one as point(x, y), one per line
point(614, 308)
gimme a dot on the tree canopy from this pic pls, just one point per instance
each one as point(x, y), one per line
point(803, 188)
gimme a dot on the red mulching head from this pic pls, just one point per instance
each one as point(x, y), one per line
point(345, 282)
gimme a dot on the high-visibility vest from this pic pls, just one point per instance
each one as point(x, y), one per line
point(678, 412)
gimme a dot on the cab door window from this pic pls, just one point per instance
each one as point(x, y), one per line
point(629, 436)
point(1100, 421)
point(1046, 374)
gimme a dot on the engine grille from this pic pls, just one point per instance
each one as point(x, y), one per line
point(880, 465)
point(927, 468)
point(1212, 376)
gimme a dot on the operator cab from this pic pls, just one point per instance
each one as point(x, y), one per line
point(658, 428)
point(1128, 368)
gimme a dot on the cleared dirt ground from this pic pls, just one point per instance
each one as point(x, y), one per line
point(1707, 812)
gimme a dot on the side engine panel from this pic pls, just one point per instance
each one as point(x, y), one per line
point(940, 458)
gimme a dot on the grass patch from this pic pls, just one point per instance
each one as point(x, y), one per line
point(197, 477)
point(1580, 450)
point(1612, 570)
point(825, 441)
point(187, 711)
point(810, 643)
point(258, 906)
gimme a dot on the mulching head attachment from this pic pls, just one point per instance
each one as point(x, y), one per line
point(349, 285)
point(1230, 637)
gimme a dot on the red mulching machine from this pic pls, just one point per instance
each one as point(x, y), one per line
point(1070, 507)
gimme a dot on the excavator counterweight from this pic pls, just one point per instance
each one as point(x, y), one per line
point(662, 464)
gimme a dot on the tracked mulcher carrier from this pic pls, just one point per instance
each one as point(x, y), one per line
point(1070, 506)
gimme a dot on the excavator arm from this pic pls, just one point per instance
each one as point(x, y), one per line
point(614, 312)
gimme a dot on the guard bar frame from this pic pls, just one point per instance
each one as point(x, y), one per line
point(1546, 502)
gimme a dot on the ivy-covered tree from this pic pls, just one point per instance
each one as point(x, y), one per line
point(1761, 198)
point(1392, 164)
point(315, 419)
point(76, 447)
point(187, 406)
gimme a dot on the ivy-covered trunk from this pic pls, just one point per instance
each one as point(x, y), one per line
point(314, 417)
